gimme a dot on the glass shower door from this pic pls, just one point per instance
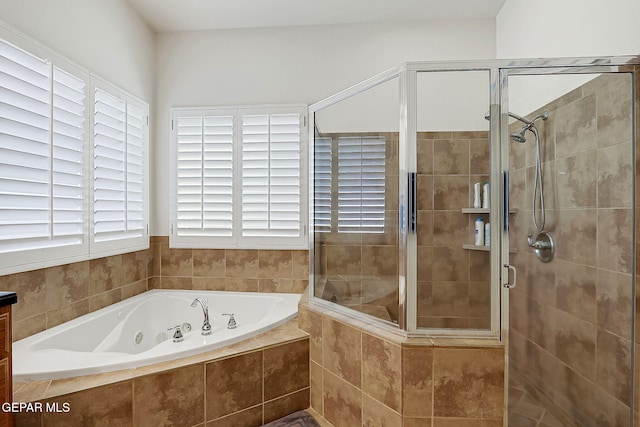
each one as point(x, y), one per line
point(453, 162)
point(356, 202)
point(569, 139)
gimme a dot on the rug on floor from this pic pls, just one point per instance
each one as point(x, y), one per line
point(297, 419)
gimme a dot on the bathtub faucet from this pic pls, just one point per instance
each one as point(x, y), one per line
point(206, 326)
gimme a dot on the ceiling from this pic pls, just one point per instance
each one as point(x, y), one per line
point(192, 15)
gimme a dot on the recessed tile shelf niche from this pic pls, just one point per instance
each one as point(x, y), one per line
point(484, 211)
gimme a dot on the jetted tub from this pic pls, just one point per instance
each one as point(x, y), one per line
point(134, 332)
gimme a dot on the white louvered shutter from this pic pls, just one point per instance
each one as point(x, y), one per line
point(68, 156)
point(271, 186)
point(135, 195)
point(322, 185)
point(119, 214)
point(361, 184)
point(41, 158)
point(204, 176)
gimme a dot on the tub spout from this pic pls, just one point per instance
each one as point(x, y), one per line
point(206, 326)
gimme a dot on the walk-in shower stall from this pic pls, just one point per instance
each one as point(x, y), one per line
point(490, 199)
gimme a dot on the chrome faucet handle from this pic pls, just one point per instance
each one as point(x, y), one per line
point(177, 335)
point(232, 322)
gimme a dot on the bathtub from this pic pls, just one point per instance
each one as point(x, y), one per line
point(134, 332)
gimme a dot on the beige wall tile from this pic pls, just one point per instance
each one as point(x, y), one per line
point(105, 274)
point(576, 343)
point(382, 371)
point(286, 405)
point(94, 406)
point(576, 290)
point(342, 401)
point(275, 264)
point(65, 284)
point(209, 262)
point(341, 348)
point(615, 304)
point(615, 176)
point(105, 299)
point(417, 381)
point(248, 418)
point(376, 414)
point(242, 264)
point(134, 266)
point(315, 382)
point(613, 366)
point(460, 422)
point(576, 122)
point(176, 262)
point(424, 155)
point(450, 192)
point(170, 398)
point(451, 157)
point(233, 384)
point(468, 382)
point(615, 250)
point(286, 369)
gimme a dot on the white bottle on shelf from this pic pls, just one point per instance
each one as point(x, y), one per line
point(477, 195)
point(487, 234)
point(479, 240)
point(485, 196)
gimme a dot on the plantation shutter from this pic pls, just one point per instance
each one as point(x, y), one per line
point(361, 184)
point(41, 157)
point(322, 185)
point(237, 178)
point(204, 182)
point(68, 156)
point(271, 175)
point(118, 172)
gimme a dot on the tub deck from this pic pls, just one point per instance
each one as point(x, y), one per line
point(47, 389)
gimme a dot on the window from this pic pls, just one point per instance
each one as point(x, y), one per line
point(46, 152)
point(42, 148)
point(238, 178)
point(119, 140)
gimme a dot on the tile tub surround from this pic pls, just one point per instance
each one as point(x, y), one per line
point(51, 296)
point(246, 384)
point(361, 375)
point(571, 319)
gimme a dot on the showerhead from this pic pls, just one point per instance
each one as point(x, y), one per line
point(519, 137)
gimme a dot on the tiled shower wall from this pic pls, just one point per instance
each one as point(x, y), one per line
point(50, 296)
point(453, 288)
point(453, 283)
point(571, 319)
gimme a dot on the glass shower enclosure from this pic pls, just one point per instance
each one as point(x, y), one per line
point(430, 184)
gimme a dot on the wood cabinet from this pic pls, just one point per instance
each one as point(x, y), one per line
point(6, 389)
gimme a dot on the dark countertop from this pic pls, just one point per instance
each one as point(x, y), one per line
point(8, 298)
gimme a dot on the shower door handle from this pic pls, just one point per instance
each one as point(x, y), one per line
point(510, 285)
point(412, 201)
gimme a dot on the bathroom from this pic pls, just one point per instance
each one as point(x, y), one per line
point(167, 67)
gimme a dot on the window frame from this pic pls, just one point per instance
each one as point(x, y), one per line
point(237, 241)
point(43, 257)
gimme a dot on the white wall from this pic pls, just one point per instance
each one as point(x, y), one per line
point(291, 65)
point(107, 37)
point(562, 28)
